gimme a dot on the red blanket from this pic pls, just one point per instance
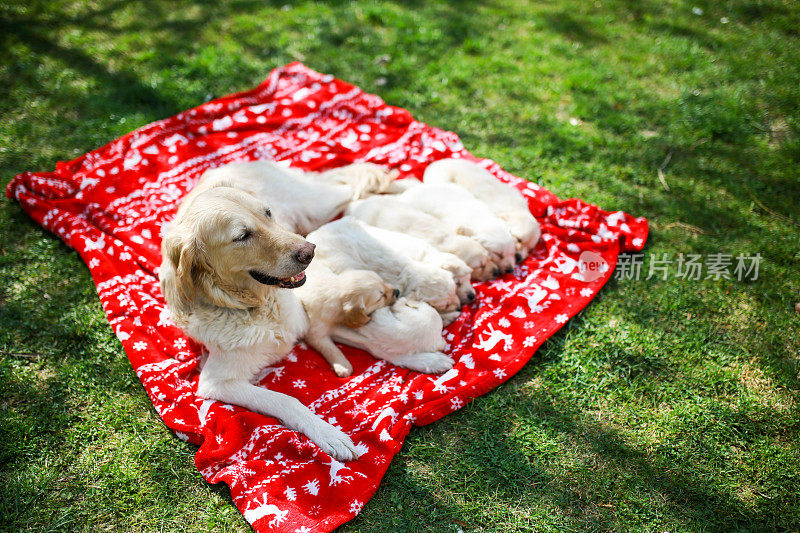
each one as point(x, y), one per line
point(110, 204)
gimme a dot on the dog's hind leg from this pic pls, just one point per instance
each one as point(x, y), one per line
point(425, 362)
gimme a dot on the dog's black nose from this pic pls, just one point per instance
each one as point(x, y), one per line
point(509, 270)
point(305, 254)
point(397, 293)
point(495, 272)
point(518, 257)
point(471, 297)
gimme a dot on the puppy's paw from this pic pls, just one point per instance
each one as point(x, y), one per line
point(449, 318)
point(333, 441)
point(426, 362)
point(343, 371)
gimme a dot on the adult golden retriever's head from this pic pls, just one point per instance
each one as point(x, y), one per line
point(224, 248)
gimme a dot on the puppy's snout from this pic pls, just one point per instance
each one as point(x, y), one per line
point(471, 297)
point(305, 254)
point(495, 272)
point(396, 293)
point(509, 270)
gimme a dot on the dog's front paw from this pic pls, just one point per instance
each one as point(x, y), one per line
point(333, 441)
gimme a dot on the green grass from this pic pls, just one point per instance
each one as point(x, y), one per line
point(664, 406)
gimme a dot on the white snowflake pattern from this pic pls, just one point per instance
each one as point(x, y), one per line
point(529, 341)
point(299, 384)
point(139, 346)
point(586, 292)
point(562, 318)
point(302, 529)
point(503, 322)
point(356, 506)
point(94, 262)
point(180, 343)
point(637, 242)
point(499, 373)
point(312, 487)
point(456, 403)
point(529, 324)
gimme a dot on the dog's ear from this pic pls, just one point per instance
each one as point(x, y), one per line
point(354, 316)
point(172, 277)
point(187, 275)
point(465, 231)
point(216, 290)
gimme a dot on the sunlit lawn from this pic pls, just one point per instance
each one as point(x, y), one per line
point(665, 405)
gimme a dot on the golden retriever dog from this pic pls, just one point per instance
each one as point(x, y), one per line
point(301, 201)
point(346, 299)
point(227, 273)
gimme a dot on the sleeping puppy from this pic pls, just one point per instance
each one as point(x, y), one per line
point(407, 334)
point(345, 244)
point(506, 202)
point(227, 273)
point(387, 212)
point(419, 250)
point(347, 299)
point(301, 201)
point(464, 214)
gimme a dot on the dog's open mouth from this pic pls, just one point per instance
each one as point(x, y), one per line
point(284, 283)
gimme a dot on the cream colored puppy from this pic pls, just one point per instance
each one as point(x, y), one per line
point(346, 244)
point(346, 299)
point(301, 201)
point(226, 274)
point(506, 202)
point(464, 214)
point(387, 212)
point(419, 250)
point(407, 334)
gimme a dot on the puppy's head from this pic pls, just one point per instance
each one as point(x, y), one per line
point(469, 250)
point(363, 293)
point(224, 247)
point(461, 275)
point(437, 288)
point(525, 230)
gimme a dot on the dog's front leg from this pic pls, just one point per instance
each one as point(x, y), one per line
point(226, 377)
point(289, 410)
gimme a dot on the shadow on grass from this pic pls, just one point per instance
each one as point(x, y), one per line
point(630, 180)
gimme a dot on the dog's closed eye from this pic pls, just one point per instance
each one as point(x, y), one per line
point(243, 236)
point(268, 212)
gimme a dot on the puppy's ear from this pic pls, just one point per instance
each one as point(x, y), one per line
point(354, 316)
point(463, 230)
